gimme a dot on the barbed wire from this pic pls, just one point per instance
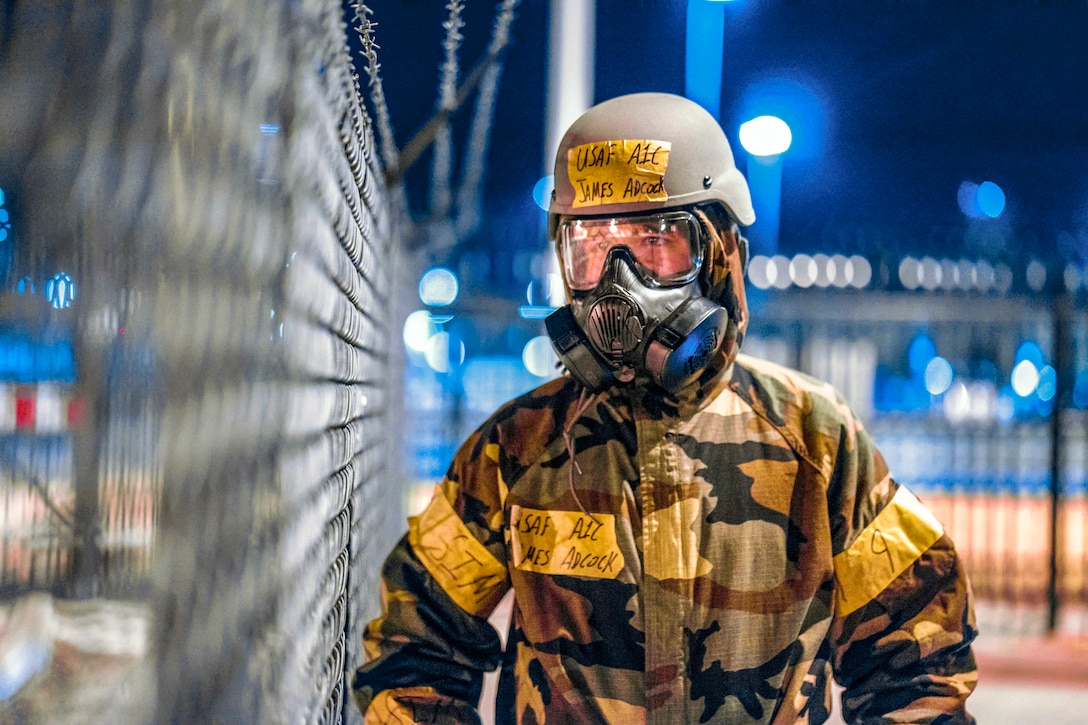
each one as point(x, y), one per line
point(469, 201)
point(382, 119)
point(442, 161)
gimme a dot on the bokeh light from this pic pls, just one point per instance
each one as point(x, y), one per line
point(778, 271)
point(967, 199)
point(1025, 378)
point(1030, 350)
point(759, 271)
point(765, 136)
point(980, 201)
point(1036, 275)
point(938, 376)
point(858, 271)
point(990, 199)
point(1072, 277)
point(542, 191)
point(910, 273)
point(1048, 383)
point(419, 326)
point(539, 357)
point(803, 270)
point(798, 102)
point(921, 351)
point(438, 287)
point(548, 292)
point(1080, 390)
point(444, 352)
point(957, 402)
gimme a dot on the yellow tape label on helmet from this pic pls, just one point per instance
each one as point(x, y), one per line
point(565, 543)
point(618, 172)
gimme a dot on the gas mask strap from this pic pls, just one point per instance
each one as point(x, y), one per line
point(584, 399)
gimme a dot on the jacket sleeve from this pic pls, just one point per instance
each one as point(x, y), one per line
point(427, 652)
point(903, 611)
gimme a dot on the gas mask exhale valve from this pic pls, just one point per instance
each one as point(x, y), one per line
point(624, 328)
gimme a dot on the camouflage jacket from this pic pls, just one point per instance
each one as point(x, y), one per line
point(713, 559)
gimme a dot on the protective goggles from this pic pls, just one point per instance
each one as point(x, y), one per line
point(667, 247)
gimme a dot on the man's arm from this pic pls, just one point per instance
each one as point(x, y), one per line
point(427, 653)
point(903, 610)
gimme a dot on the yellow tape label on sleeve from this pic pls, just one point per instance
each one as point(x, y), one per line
point(461, 565)
point(618, 172)
point(565, 543)
point(887, 547)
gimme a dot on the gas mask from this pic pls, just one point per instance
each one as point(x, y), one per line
point(638, 309)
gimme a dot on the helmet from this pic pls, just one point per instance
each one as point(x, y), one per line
point(643, 152)
point(657, 168)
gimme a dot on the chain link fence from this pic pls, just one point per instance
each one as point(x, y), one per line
point(197, 444)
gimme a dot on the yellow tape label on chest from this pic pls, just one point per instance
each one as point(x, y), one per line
point(565, 543)
point(886, 548)
point(618, 172)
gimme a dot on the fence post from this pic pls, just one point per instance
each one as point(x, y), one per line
point(1062, 319)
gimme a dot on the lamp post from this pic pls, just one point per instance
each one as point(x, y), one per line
point(766, 139)
point(703, 53)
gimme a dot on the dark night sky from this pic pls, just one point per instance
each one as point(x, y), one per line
point(912, 99)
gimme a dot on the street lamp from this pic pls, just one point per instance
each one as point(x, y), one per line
point(765, 138)
point(703, 53)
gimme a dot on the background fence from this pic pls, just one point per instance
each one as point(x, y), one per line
point(1003, 463)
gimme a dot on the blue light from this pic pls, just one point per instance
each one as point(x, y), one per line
point(938, 376)
point(765, 182)
point(542, 191)
point(798, 102)
point(1, 197)
point(921, 351)
point(765, 136)
point(1048, 383)
point(438, 287)
point(418, 328)
point(991, 199)
point(978, 201)
point(967, 199)
point(1006, 404)
point(60, 290)
point(539, 357)
point(1030, 351)
point(445, 352)
point(534, 312)
point(489, 381)
point(546, 292)
point(1080, 390)
point(1024, 378)
point(25, 361)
